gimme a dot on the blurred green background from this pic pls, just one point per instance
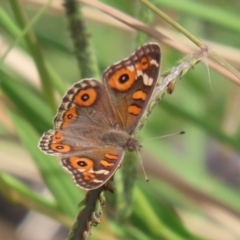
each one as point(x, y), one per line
point(194, 178)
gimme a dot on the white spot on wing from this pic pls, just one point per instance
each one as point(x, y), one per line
point(139, 73)
point(147, 81)
point(131, 68)
point(93, 83)
point(97, 181)
point(154, 62)
point(105, 172)
point(83, 85)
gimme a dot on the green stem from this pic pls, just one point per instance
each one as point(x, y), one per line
point(156, 226)
point(146, 16)
point(80, 37)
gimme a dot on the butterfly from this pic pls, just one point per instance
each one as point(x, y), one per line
point(95, 121)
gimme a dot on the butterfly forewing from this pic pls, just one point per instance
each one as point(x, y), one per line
point(130, 84)
point(85, 106)
point(84, 115)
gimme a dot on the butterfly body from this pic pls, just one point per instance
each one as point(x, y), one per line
point(94, 123)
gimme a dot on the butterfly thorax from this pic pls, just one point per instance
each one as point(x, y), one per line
point(118, 138)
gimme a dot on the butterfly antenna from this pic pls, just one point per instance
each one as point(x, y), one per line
point(167, 135)
point(141, 162)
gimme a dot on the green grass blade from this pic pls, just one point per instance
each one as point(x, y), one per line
point(204, 11)
point(18, 193)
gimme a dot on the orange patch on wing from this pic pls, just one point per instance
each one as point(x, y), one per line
point(88, 176)
point(106, 163)
point(69, 116)
point(111, 156)
point(133, 109)
point(122, 80)
point(144, 63)
point(139, 95)
point(61, 148)
point(81, 163)
point(86, 97)
point(57, 137)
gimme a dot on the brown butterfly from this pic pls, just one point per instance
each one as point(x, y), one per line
point(94, 123)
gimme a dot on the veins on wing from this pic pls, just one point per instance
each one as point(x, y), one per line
point(126, 107)
point(90, 116)
point(110, 120)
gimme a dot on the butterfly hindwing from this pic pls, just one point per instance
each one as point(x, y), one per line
point(91, 169)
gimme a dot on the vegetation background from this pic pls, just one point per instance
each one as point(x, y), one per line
point(194, 178)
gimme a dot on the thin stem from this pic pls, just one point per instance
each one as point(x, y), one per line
point(83, 50)
point(172, 22)
point(224, 63)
